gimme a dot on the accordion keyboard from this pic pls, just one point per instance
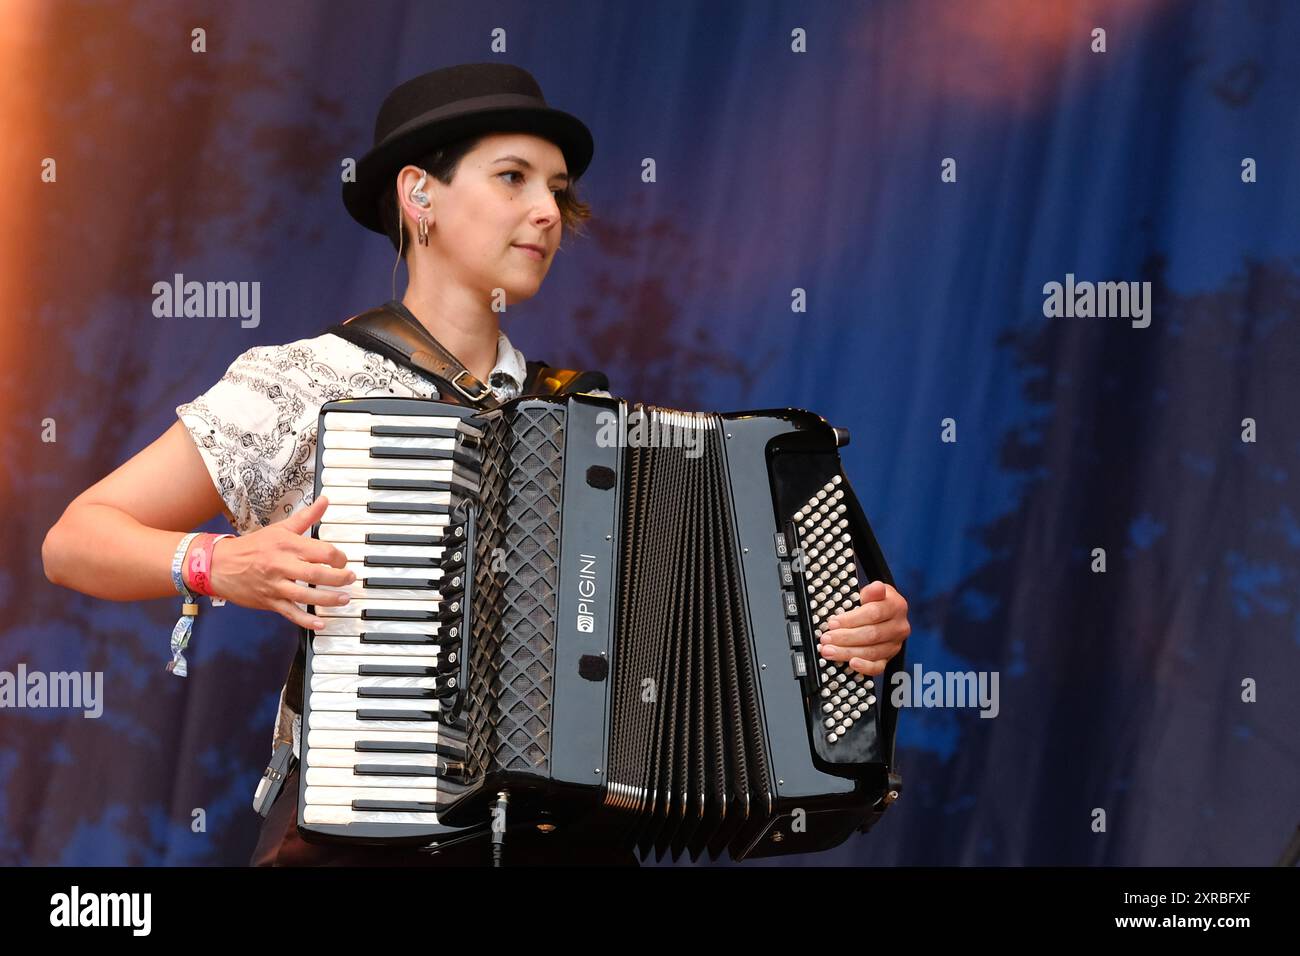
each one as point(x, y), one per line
point(376, 751)
point(822, 526)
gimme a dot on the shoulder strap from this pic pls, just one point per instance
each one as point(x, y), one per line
point(390, 333)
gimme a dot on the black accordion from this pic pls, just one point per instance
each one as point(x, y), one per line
point(578, 615)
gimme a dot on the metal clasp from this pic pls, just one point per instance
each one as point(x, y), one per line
point(455, 382)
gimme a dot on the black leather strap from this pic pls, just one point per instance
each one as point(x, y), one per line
point(391, 331)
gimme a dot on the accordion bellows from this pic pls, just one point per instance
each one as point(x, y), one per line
point(603, 619)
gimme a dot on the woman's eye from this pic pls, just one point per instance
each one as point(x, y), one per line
point(514, 172)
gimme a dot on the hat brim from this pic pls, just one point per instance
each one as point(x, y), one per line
point(376, 169)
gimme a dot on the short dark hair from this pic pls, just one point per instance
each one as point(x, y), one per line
point(442, 164)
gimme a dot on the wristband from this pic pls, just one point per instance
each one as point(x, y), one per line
point(198, 582)
point(198, 564)
point(185, 624)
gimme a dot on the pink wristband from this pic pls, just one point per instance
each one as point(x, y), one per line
point(198, 563)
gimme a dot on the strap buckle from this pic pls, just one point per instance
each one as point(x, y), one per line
point(483, 389)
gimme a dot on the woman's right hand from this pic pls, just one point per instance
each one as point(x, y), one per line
point(262, 569)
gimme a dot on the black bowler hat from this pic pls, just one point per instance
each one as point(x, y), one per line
point(450, 104)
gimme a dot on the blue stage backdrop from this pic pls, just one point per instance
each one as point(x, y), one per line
point(855, 208)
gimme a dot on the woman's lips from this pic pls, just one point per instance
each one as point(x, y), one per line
point(530, 252)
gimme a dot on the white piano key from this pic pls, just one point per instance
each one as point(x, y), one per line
point(358, 477)
point(355, 624)
point(338, 757)
point(357, 531)
point(351, 682)
point(363, 570)
point(346, 777)
point(351, 703)
point(363, 421)
point(343, 796)
point(340, 636)
point(359, 550)
point(346, 816)
point(364, 440)
point(358, 729)
point(354, 609)
point(361, 458)
point(410, 523)
point(338, 739)
point(338, 664)
point(358, 592)
point(360, 439)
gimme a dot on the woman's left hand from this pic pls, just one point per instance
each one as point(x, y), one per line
point(868, 636)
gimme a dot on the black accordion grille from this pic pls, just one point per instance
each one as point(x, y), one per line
point(688, 755)
point(512, 661)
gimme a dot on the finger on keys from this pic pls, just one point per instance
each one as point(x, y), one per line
point(873, 609)
point(301, 521)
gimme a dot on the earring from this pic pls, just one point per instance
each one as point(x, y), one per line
point(424, 232)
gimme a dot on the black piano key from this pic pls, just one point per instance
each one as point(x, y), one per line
point(396, 614)
point(412, 431)
point(444, 749)
point(395, 770)
point(406, 484)
point(400, 561)
point(407, 507)
point(432, 540)
point(403, 693)
point(418, 584)
point(396, 670)
point(411, 715)
point(395, 806)
point(432, 454)
point(397, 637)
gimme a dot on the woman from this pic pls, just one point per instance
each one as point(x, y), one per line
point(472, 179)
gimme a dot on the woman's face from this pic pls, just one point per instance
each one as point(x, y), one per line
point(502, 197)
